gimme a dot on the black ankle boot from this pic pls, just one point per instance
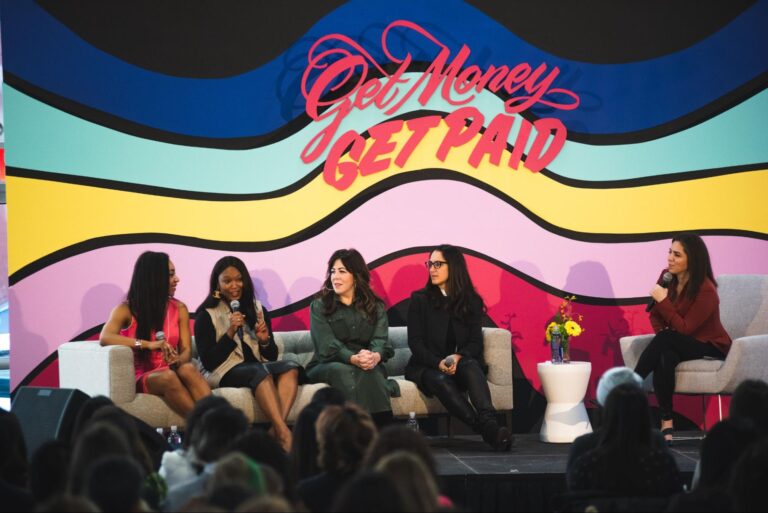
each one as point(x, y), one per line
point(497, 436)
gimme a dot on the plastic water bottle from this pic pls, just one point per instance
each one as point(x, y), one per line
point(556, 345)
point(160, 431)
point(412, 422)
point(174, 438)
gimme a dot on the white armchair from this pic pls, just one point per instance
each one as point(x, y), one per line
point(744, 313)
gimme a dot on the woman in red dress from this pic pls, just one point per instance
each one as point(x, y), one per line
point(162, 364)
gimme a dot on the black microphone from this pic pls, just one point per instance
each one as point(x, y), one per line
point(665, 280)
point(235, 305)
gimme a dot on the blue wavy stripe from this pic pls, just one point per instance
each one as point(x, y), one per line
point(80, 148)
point(615, 98)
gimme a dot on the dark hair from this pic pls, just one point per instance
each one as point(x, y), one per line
point(461, 292)
point(626, 420)
point(148, 293)
point(86, 412)
point(344, 434)
point(368, 491)
point(399, 438)
point(217, 432)
point(201, 407)
point(722, 447)
point(304, 448)
point(13, 450)
point(365, 299)
point(48, 470)
point(127, 425)
point(748, 478)
point(248, 295)
point(750, 401)
point(263, 449)
point(699, 265)
point(114, 484)
point(99, 439)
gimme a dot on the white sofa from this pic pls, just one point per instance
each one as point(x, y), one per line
point(109, 371)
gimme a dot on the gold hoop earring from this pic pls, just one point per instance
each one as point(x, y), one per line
point(217, 294)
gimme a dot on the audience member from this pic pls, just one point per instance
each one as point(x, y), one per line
point(749, 478)
point(304, 448)
point(414, 481)
point(114, 484)
point(344, 434)
point(99, 439)
point(750, 401)
point(48, 470)
point(625, 460)
point(372, 492)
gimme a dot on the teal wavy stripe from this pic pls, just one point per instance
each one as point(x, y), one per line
point(80, 148)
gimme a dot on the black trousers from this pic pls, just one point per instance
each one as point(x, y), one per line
point(450, 390)
point(667, 349)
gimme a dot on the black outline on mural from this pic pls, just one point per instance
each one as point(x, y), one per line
point(113, 122)
point(344, 210)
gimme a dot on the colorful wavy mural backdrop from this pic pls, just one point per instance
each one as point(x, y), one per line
point(559, 148)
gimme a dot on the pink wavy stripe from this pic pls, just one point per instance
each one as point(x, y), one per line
point(69, 297)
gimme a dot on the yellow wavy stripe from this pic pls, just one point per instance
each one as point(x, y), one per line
point(47, 216)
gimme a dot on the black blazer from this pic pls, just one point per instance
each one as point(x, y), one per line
point(428, 331)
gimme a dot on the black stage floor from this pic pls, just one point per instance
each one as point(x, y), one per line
point(528, 478)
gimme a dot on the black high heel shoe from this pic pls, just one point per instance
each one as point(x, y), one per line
point(668, 431)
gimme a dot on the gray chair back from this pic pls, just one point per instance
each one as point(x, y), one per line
point(743, 304)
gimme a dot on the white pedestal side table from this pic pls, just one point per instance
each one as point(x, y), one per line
point(564, 387)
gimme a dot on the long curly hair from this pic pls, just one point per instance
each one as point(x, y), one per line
point(365, 299)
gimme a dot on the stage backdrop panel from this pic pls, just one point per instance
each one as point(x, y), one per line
point(560, 148)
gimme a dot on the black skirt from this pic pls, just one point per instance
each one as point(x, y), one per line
point(251, 374)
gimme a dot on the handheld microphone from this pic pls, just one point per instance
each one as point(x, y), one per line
point(448, 361)
point(665, 281)
point(235, 305)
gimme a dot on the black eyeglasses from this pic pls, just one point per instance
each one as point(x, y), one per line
point(437, 264)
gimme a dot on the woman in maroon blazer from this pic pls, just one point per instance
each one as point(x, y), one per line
point(686, 319)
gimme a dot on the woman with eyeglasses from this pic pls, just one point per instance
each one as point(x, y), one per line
point(161, 363)
point(446, 341)
point(238, 349)
point(350, 331)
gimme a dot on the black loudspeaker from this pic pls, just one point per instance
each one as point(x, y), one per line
point(46, 413)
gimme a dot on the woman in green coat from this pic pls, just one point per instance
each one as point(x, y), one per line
point(349, 329)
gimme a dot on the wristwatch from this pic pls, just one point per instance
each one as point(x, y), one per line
point(137, 343)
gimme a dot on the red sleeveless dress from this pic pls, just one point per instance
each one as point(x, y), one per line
point(145, 361)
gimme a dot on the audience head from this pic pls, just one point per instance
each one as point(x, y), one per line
point(266, 504)
point(99, 439)
point(127, 426)
point(86, 411)
point(236, 469)
point(626, 419)
point(13, 450)
point(265, 450)
point(219, 429)
point(750, 401)
point(304, 448)
point(723, 445)
point(114, 484)
point(344, 434)
point(371, 492)
point(48, 470)
point(400, 438)
point(748, 479)
point(415, 482)
point(699, 265)
point(152, 282)
point(613, 378)
point(202, 406)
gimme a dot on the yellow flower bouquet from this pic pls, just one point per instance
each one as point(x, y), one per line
point(567, 324)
